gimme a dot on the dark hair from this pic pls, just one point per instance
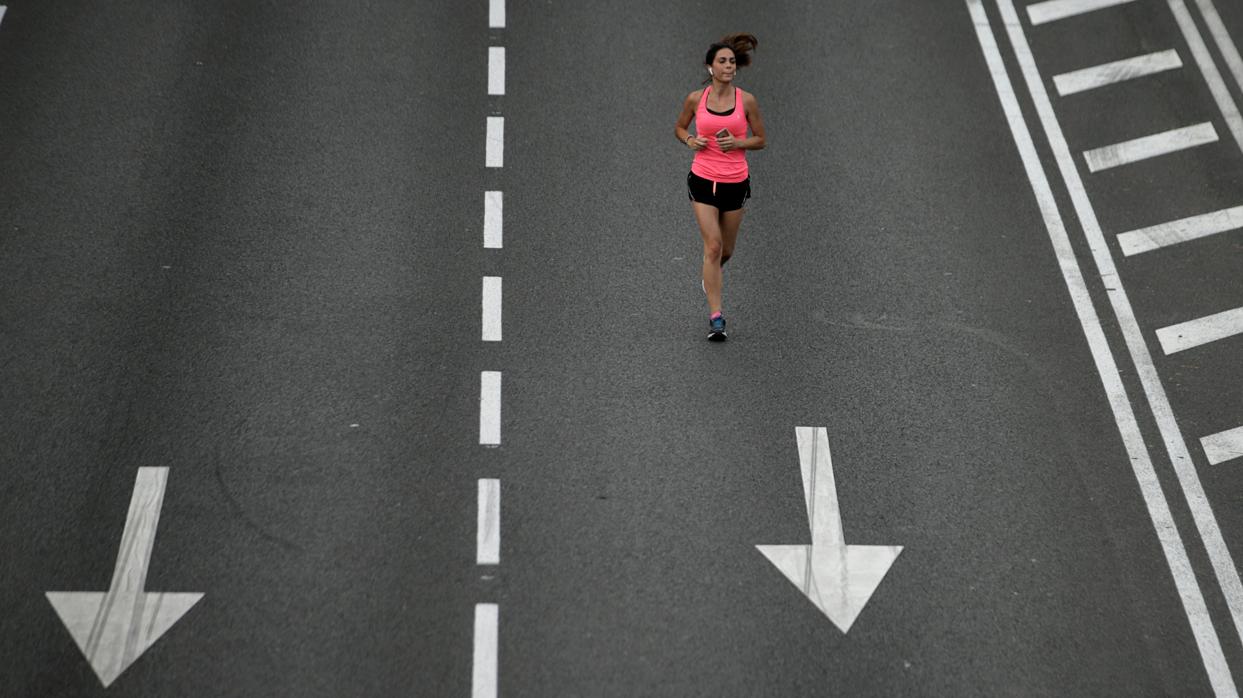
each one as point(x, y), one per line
point(741, 44)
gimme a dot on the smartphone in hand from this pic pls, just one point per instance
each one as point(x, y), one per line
point(722, 133)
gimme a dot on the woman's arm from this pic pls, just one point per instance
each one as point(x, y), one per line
point(757, 141)
point(684, 122)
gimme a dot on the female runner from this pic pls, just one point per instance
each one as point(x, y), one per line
point(719, 183)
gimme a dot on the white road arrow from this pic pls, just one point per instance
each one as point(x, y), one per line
point(838, 578)
point(113, 628)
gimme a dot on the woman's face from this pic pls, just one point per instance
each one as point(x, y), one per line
point(723, 65)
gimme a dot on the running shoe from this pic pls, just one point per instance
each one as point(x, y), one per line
point(716, 330)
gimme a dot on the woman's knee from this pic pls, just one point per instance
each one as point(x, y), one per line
point(713, 250)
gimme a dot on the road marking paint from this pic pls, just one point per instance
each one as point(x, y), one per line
point(491, 309)
point(115, 627)
point(1132, 438)
point(1184, 230)
point(3, 8)
point(488, 533)
point(496, 141)
point(1137, 149)
point(483, 680)
point(1224, 446)
point(492, 216)
point(490, 408)
point(1221, 37)
point(496, 14)
point(1194, 333)
point(1216, 86)
point(1115, 72)
point(496, 70)
point(1051, 10)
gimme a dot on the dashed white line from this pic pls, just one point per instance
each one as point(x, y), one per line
point(493, 237)
point(1137, 149)
point(483, 677)
point(1051, 10)
point(1216, 86)
point(1182, 230)
point(1115, 72)
point(496, 141)
point(1141, 464)
point(491, 309)
point(3, 8)
point(490, 408)
point(488, 533)
point(496, 70)
point(496, 14)
point(1194, 333)
point(1223, 446)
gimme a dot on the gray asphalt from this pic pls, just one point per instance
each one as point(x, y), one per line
point(243, 240)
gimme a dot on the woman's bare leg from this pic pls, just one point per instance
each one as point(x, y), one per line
point(710, 230)
point(729, 222)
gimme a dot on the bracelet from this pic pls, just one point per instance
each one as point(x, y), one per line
point(687, 143)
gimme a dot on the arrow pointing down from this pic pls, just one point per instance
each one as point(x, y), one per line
point(113, 628)
point(838, 578)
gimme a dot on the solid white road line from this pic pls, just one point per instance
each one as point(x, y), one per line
point(496, 14)
point(1184, 230)
point(1159, 404)
point(1117, 71)
point(1194, 333)
point(1225, 446)
point(491, 309)
point(1138, 149)
point(1221, 37)
point(3, 8)
point(1141, 464)
point(490, 408)
point(488, 533)
point(1051, 10)
point(483, 678)
point(496, 141)
point(496, 70)
point(1216, 86)
point(492, 216)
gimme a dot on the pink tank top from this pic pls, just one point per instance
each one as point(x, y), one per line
point(711, 163)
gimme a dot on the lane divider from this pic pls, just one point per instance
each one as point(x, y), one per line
point(493, 235)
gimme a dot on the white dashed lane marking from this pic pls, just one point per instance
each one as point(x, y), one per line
point(1224, 446)
point(483, 679)
point(493, 236)
point(1052, 10)
point(490, 408)
point(488, 535)
point(1194, 333)
point(1117, 71)
point(1152, 146)
point(496, 70)
point(1183, 230)
point(496, 141)
point(496, 14)
point(491, 309)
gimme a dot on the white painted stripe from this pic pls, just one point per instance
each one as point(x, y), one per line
point(488, 534)
point(3, 9)
point(496, 14)
point(1152, 146)
point(1115, 72)
point(491, 308)
point(1216, 86)
point(1194, 333)
point(496, 70)
point(483, 678)
point(1051, 10)
point(1124, 415)
point(1221, 37)
point(490, 408)
point(1224, 446)
point(496, 141)
point(1180, 457)
point(492, 217)
point(1184, 230)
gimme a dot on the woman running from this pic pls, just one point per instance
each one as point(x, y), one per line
point(718, 183)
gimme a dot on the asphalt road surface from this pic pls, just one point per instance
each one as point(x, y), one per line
point(358, 349)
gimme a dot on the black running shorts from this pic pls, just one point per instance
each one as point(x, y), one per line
point(724, 196)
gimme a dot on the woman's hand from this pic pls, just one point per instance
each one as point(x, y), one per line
point(697, 142)
point(726, 142)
